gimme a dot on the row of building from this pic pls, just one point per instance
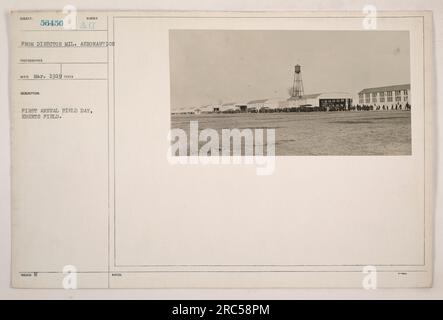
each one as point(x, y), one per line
point(379, 98)
point(390, 95)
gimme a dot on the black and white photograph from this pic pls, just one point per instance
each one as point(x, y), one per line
point(222, 153)
point(323, 92)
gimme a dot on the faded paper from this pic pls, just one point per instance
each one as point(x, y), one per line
point(100, 201)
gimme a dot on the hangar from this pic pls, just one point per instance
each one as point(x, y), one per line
point(297, 102)
point(334, 101)
point(312, 102)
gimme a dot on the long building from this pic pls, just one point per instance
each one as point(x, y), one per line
point(310, 102)
point(396, 97)
point(388, 97)
point(321, 101)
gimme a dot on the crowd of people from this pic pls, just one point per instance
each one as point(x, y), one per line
point(397, 106)
point(357, 107)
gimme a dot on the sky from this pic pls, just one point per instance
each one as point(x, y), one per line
point(221, 66)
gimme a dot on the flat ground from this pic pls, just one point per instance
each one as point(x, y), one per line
point(319, 133)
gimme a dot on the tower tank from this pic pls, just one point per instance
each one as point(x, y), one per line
point(297, 86)
point(297, 68)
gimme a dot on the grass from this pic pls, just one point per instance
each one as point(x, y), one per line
point(319, 133)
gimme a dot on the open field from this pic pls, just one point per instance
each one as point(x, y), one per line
point(319, 133)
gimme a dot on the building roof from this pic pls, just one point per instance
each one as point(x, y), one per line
point(311, 96)
point(306, 96)
point(275, 100)
point(258, 101)
point(387, 88)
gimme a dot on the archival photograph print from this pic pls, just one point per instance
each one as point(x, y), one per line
point(320, 92)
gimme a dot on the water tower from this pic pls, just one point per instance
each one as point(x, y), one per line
point(297, 87)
